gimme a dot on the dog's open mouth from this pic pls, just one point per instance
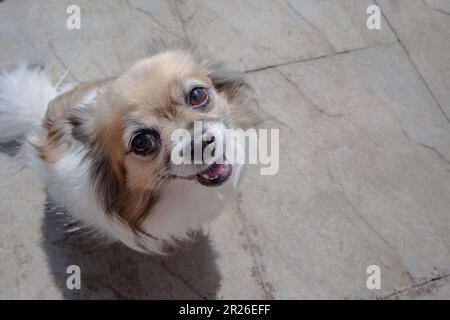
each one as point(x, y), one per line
point(215, 175)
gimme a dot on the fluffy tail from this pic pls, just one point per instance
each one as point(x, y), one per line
point(24, 96)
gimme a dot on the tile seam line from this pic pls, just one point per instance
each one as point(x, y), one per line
point(260, 278)
point(273, 66)
point(419, 285)
point(416, 68)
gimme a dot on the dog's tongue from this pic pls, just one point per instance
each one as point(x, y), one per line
point(213, 170)
point(216, 174)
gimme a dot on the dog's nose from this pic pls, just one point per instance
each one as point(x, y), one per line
point(205, 143)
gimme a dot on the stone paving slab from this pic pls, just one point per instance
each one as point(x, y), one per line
point(112, 36)
point(257, 34)
point(423, 26)
point(365, 148)
point(364, 177)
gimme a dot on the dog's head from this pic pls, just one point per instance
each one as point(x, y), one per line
point(129, 127)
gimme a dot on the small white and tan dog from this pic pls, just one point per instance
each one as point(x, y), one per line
point(103, 148)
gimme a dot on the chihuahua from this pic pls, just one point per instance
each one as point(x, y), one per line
point(103, 148)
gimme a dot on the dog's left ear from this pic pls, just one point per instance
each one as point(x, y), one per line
point(237, 92)
point(230, 83)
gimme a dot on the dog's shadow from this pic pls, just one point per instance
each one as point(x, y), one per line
point(112, 271)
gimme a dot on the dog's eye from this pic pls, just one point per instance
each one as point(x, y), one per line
point(145, 142)
point(198, 97)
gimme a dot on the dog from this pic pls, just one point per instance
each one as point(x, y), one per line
point(103, 148)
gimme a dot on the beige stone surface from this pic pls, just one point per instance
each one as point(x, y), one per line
point(423, 26)
point(355, 187)
point(113, 34)
point(364, 152)
point(256, 34)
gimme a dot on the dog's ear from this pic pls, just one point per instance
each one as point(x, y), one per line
point(230, 83)
point(81, 121)
point(80, 112)
point(237, 92)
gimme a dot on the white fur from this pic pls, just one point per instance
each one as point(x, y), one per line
point(24, 96)
point(184, 205)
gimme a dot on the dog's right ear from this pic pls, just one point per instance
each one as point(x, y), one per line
point(81, 116)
